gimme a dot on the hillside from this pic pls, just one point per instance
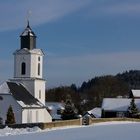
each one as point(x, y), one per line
point(91, 93)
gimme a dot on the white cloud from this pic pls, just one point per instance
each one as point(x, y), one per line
point(76, 69)
point(13, 13)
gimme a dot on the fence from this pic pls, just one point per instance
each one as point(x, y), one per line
point(47, 125)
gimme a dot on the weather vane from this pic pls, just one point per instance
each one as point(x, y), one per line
point(28, 16)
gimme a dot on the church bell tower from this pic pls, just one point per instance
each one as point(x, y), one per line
point(28, 65)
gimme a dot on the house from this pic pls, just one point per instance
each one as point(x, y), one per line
point(117, 107)
point(25, 92)
point(135, 93)
point(55, 109)
point(94, 113)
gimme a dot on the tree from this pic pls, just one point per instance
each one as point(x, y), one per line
point(10, 116)
point(70, 112)
point(133, 110)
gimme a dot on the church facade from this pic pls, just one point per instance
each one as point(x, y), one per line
point(26, 91)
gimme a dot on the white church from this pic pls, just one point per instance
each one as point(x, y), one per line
point(26, 91)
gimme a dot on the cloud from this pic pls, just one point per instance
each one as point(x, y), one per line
point(76, 69)
point(13, 13)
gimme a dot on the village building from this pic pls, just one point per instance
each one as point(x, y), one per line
point(94, 113)
point(135, 93)
point(117, 107)
point(26, 91)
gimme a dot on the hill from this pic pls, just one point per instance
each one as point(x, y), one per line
point(91, 93)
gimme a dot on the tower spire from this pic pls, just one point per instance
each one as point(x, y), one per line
point(28, 37)
point(28, 24)
point(28, 16)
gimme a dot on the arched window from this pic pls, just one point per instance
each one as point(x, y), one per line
point(38, 68)
point(39, 58)
point(23, 68)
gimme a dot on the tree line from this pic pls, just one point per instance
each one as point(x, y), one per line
point(91, 93)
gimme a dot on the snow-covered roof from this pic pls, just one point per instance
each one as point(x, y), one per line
point(4, 88)
point(136, 92)
point(118, 104)
point(95, 112)
point(20, 94)
point(27, 51)
point(28, 31)
point(54, 107)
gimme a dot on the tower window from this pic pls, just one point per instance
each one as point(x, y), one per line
point(38, 58)
point(39, 94)
point(38, 68)
point(23, 68)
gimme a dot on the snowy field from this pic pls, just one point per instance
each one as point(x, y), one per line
point(100, 131)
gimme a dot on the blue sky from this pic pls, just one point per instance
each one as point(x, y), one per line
point(81, 38)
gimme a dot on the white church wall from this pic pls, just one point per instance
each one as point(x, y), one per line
point(32, 115)
point(6, 101)
point(35, 60)
point(40, 90)
point(47, 116)
point(32, 61)
point(19, 59)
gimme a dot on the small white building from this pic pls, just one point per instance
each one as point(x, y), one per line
point(26, 91)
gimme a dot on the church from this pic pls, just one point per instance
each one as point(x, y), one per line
point(26, 91)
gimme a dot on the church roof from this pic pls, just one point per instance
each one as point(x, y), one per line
point(28, 31)
point(27, 51)
point(118, 104)
point(20, 94)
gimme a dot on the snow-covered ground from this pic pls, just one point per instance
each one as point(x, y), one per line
point(100, 131)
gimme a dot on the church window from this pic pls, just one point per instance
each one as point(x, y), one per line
point(39, 94)
point(38, 68)
point(23, 68)
point(38, 58)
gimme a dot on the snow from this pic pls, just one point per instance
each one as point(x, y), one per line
point(10, 131)
point(99, 131)
point(27, 31)
point(4, 89)
point(96, 112)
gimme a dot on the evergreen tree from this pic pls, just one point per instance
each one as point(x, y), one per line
point(10, 116)
point(132, 109)
point(70, 112)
